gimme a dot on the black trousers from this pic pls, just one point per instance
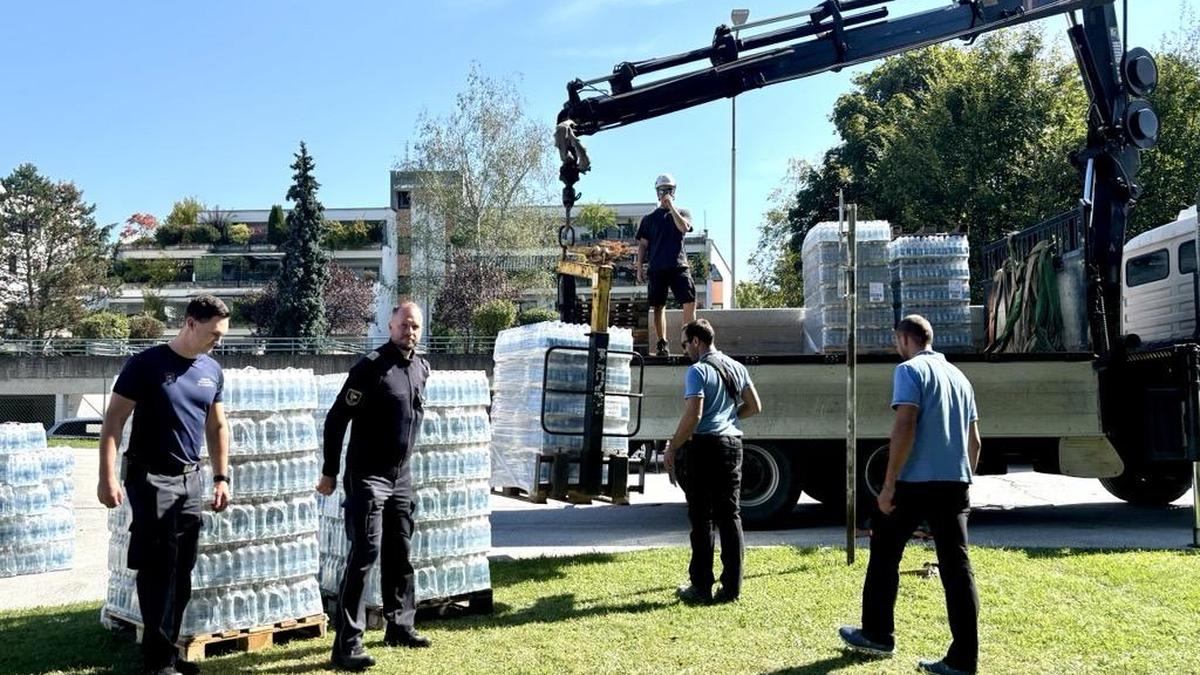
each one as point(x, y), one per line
point(712, 484)
point(945, 506)
point(163, 537)
point(378, 512)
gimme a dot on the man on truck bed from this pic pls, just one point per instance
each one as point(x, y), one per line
point(717, 393)
point(660, 243)
point(934, 450)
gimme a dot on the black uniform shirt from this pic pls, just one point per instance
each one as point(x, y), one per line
point(384, 396)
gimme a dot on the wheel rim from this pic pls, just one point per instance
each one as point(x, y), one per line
point(760, 476)
point(875, 471)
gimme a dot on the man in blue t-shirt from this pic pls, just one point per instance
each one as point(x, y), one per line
point(174, 394)
point(660, 248)
point(706, 455)
point(933, 453)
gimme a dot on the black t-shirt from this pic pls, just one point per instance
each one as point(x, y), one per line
point(666, 241)
point(173, 396)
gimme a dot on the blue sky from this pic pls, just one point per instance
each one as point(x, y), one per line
point(143, 103)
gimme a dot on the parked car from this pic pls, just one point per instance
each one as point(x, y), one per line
point(76, 427)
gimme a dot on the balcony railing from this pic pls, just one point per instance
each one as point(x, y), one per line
point(348, 344)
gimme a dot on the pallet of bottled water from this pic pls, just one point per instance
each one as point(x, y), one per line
point(450, 466)
point(520, 367)
point(37, 515)
point(825, 256)
point(259, 558)
point(933, 279)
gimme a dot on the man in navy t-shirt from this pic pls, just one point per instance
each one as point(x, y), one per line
point(174, 394)
point(660, 244)
point(934, 449)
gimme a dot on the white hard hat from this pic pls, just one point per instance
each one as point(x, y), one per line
point(664, 179)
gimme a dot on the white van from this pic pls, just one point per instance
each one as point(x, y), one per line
point(1158, 301)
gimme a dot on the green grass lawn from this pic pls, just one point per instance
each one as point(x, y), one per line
point(74, 442)
point(1043, 611)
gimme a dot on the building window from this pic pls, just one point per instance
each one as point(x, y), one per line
point(403, 199)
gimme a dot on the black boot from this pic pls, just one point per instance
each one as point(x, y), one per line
point(357, 659)
point(398, 636)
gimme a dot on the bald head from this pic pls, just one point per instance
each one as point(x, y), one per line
point(405, 327)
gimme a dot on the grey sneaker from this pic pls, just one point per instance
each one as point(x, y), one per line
point(940, 668)
point(855, 641)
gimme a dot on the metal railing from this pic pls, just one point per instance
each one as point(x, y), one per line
point(349, 344)
point(1066, 229)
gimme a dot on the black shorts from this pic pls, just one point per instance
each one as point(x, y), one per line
point(678, 280)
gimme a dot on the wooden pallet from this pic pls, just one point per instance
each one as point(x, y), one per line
point(467, 604)
point(199, 647)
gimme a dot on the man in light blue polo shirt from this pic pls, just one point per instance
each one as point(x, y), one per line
point(933, 453)
point(708, 446)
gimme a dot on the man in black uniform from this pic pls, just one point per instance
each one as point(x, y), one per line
point(174, 393)
point(660, 248)
point(383, 395)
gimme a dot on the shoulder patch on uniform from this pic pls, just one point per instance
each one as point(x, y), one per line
point(372, 355)
point(353, 397)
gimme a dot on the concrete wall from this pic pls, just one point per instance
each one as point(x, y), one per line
point(81, 375)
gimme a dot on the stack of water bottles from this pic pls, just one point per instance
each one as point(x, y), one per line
point(37, 520)
point(933, 279)
point(450, 468)
point(824, 256)
point(518, 435)
point(258, 558)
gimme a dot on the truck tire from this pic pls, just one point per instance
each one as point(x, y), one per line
point(828, 485)
point(770, 488)
point(1149, 487)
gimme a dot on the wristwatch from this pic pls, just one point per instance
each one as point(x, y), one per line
point(220, 478)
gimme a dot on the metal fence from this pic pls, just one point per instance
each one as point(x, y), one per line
point(242, 345)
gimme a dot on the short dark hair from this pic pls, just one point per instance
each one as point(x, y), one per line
point(916, 327)
point(700, 328)
point(205, 307)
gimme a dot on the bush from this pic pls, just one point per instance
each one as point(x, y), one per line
point(536, 315)
point(492, 317)
point(168, 235)
point(103, 326)
point(239, 234)
point(154, 305)
point(146, 327)
point(202, 234)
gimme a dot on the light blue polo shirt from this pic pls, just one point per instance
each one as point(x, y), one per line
point(947, 408)
point(719, 415)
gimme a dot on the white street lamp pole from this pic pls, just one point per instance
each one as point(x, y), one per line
point(738, 17)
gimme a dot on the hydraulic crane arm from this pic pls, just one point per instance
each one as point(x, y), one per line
point(836, 34)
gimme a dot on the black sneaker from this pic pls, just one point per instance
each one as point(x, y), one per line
point(395, 636)
point(940, 668)
point(187, 667)
point(691, 595)
point(662, 349)
point(857, 642)
point(357, 659)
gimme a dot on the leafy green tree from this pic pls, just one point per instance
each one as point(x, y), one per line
point(276, 225)
point(493, 316)
point(185, 213)
point(596, 218)
point(56, 258)
point(305, 269)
